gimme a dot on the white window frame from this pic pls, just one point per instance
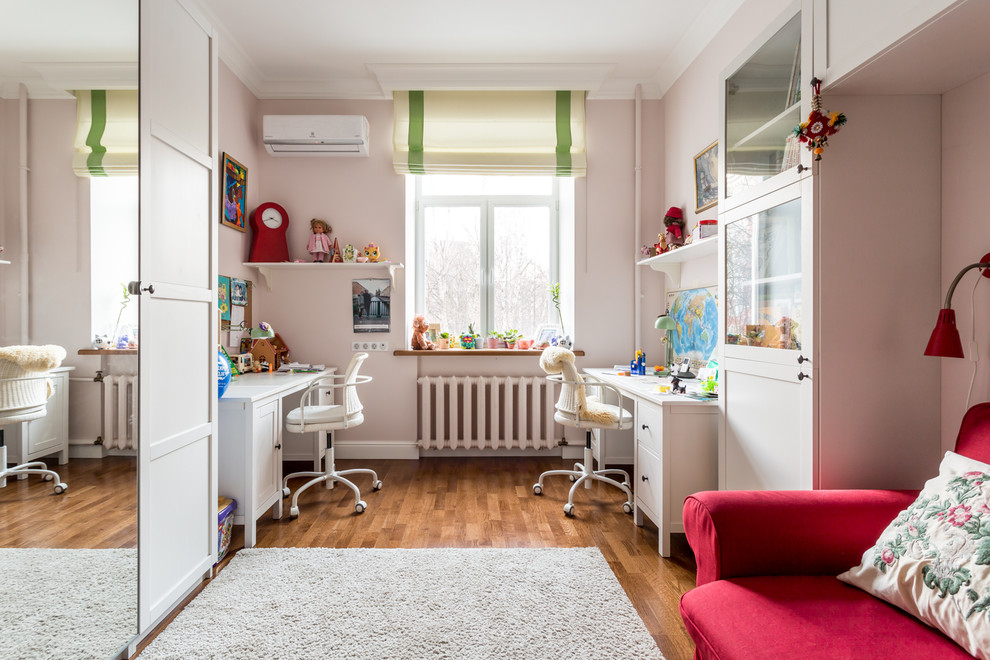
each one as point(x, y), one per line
point(486, 205)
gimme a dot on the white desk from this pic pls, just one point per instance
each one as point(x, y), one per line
point(676, 450)
point(250, 459)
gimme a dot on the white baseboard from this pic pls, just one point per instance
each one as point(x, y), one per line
point(89, 450)
point(555, 452)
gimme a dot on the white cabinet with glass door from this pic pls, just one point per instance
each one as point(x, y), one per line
point(828, 272)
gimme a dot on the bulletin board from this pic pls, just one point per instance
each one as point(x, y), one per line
point(237, 318)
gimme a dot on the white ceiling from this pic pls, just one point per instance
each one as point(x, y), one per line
point(366, 49)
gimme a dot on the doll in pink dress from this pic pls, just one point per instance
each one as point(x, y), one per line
point(319, 240)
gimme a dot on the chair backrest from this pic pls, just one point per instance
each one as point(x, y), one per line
point(352, 404)
point(556, 360)
point(974, 433)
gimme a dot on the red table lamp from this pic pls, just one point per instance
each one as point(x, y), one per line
point(945, 341)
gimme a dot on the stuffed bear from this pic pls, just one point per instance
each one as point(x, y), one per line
point(419, 340)
point(673, 221)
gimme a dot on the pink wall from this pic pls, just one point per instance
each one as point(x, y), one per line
point(965, 239)
point(364, 201)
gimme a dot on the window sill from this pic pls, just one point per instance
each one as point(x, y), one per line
point(476, 352)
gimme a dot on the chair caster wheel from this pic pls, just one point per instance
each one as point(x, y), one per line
point(572, 478)
point(286, 491)
point(537, 489)
point(569, 510)
point(360, 506)
point(626, 507)
point(47, 477)
point(61, 488)
point(377, 485)
point(294, 512)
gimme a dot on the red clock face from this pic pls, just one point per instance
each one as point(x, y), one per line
point(269, 223)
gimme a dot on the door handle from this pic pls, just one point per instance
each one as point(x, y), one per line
point(801, 359)
point(278, 446)
point(645, 427)
point(645, 478)
point(134, 288)
point(802, 376)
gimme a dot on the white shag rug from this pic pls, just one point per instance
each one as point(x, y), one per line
point(409, 604)
point(61, 603)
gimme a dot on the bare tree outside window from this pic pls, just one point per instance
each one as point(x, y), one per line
point(489, 253)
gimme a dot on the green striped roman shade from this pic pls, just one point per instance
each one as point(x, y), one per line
point(106, 133)
point(460, 132)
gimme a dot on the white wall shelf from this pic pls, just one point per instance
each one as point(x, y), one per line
point(266, 269)
point(669, 263)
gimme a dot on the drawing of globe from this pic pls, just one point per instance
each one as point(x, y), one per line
point(695, 312)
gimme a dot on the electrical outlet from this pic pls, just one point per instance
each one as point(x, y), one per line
point(369, 345)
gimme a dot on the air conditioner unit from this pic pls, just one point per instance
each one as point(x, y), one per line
point(316, 135)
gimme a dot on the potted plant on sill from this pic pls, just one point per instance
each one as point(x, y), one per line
point(493, 339)
point(444, 340)
point(511, 335)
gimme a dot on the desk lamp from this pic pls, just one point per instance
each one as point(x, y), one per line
point(665, 322)
point(262, 331)
point(945, 341)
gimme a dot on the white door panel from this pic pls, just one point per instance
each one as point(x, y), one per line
point(177, 491)
point(767, 411)
point(180, 235)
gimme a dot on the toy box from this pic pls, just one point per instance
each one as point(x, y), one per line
point(225, 523)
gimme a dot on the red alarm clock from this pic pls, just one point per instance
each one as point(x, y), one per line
point(269, 223)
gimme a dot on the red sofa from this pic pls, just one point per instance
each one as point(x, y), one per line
point(767, 562)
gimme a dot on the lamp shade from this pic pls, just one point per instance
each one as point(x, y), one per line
point(945, 341)
point(665, 322)
point(262, 331)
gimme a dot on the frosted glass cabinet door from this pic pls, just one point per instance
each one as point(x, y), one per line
point(763, 283)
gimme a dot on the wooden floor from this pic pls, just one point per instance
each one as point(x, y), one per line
point(429, 503)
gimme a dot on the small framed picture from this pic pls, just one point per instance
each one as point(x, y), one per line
point(706, 178)
point(233, 188)
point(238, 292)
point(546, 334)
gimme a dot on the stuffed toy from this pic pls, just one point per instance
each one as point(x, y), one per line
point(419, 340)
point(573, 400)
point(661, 245)
point(674, 224)
point(373, 253)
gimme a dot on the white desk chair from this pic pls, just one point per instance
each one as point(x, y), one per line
point(24, 392)
point(576, 409)
point(311, 416)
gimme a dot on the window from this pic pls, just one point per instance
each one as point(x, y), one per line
point(488, 250)
point(113, 209)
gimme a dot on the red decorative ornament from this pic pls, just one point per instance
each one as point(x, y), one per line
point(819, 125)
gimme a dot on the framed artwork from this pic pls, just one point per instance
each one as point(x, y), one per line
point(223, 297)
point(238, 292)
point(706, 178)
point(371, 303)
point(546, 334)
point(233, 205)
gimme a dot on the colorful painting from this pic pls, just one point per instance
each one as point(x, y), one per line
point(695, 311)
point(234, 188)
point(223, 297)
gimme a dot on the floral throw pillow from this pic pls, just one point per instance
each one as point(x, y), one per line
point(933, 560)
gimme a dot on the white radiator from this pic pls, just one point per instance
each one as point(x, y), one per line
point(120, 406)
point(486, 412)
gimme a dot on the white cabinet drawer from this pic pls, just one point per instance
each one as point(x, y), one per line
point(649, 486)
point(649, 427)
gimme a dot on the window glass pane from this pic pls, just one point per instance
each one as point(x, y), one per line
point(521, 273)
point(113, 210)
point(453, 184)
point(452, 252)
point(763, 279)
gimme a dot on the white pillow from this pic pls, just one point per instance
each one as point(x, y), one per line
point(933, 560)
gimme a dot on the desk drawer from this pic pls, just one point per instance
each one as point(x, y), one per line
point(649, 426)
point(649, 486)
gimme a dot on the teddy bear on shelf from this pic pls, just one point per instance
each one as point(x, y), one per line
point(673, 222)
point(419, 340)
point(661, 245)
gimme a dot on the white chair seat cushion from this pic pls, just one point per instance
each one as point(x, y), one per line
point(622, 418)
point(322, 415)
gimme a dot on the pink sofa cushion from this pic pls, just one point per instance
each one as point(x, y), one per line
point(805, 617)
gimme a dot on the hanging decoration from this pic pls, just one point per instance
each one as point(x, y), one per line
point(816, 130)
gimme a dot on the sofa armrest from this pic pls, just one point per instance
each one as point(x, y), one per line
point(793, 532)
